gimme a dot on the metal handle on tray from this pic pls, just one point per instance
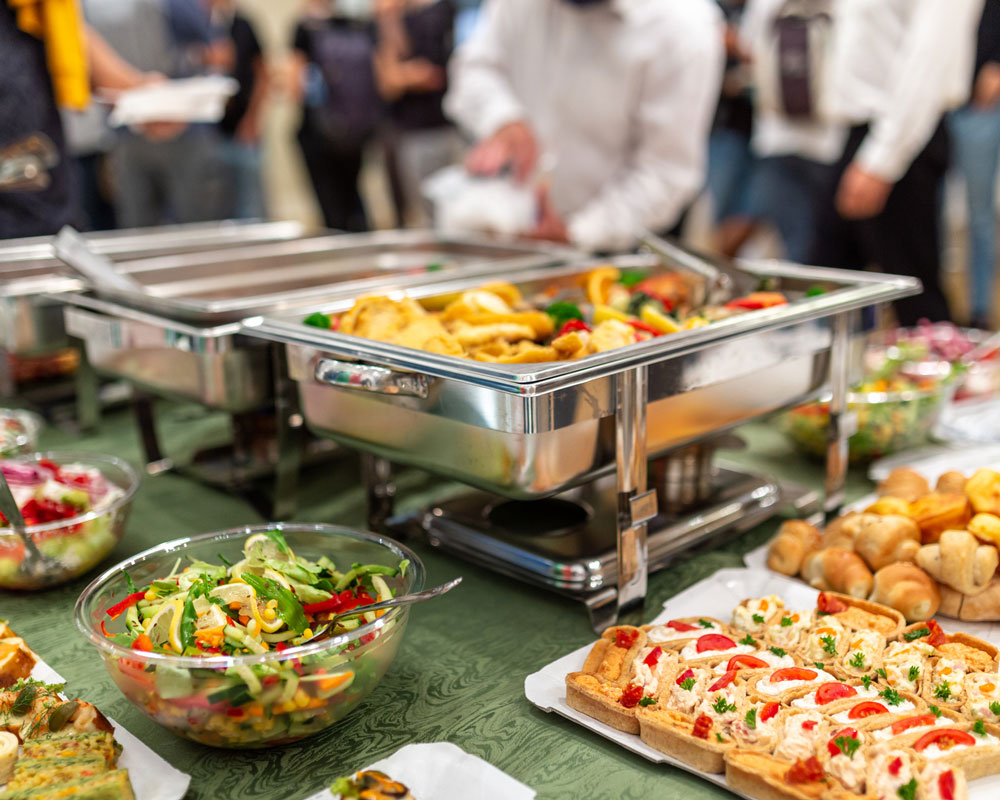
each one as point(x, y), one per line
point(364, 377)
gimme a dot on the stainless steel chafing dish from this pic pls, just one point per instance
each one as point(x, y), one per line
point(179, 333)
point(530, 430)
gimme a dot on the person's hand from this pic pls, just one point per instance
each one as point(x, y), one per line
point(986, 91)
point(551, 227)
point(248, 130)
point(513, 144)
point(861, 194)
point(162, 131)
point(421, 75)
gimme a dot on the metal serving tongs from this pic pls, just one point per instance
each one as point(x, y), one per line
point(718, 282)
point(401, 600)
point(34, 564)
point(25, 164)
point(72, 249)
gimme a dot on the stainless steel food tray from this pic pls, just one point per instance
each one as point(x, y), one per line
point(225, 286)
point(529, 430)
point(31, 324)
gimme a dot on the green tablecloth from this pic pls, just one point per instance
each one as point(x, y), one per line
point(459, 675)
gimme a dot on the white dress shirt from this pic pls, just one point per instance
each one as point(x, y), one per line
point(774, 133)
point(620, 96)
point(898, 65)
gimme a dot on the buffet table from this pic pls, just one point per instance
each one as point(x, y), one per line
point(460, 673)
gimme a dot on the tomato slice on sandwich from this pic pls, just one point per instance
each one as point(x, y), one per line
point(944, 738)
point(868, 708)
point(829, 692)
point(714, 641)
point(746, 662)
point(793, 674)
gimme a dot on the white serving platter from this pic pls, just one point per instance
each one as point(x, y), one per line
point(444, 771)
point(715, 596)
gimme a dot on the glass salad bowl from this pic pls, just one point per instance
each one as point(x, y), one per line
point(75, 506)
point(19, 431)
point(264, 675)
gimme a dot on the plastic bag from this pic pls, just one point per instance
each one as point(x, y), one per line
point(465, 203)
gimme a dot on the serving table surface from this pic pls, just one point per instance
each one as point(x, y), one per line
point(460, 672)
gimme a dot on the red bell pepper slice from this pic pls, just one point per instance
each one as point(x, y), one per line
point(639, 325)
point(573, 325)
point(117, 609)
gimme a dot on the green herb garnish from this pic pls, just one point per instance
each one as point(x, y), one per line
point(562, 311)
point(647, 701)
point(721, 705)
point(935, 711)
point(829, 644)
point(23, 700)
point(748, 640)
point(751, 719)
point(914, 673)
point(908, 791)
point(943, 691)
point(881, 673)
point(866, 680)
point(778, 651)
point(630, 277)
point(857, 660)
point(786, 622)
point(847, 745)
point(318, 320)
point(979, 728)
point(132, 588)
point(758, 618)
point(818, 664)
point(995, 708)
point(719, 739)
point(705, 623)
point(917, 633)
point(687, 684)
point(891, 696)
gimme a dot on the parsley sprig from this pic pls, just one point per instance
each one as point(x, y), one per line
point(829, 644)
point(847, 745)
point(721, 705)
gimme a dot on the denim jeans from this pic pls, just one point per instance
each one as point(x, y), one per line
point(243, 197)
point(976, 149)
point(730, 164)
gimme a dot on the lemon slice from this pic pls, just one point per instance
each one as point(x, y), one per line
point(479, 300)
point(661, 322)
point(599, 283)
point(263, 546)
point(603, 313)
point(162, 626)
point(278, 577)
point(694, 322)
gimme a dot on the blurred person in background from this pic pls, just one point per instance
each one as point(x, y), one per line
point(975, 132)
point(795, 148)
point(895, 67)
point(49, 59)
point(730, 160)
point(618, 94)
point(414, 41)
point(239, 147)
point(333, 77)
point(174, 175)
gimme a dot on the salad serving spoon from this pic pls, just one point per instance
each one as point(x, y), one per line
point(34, 563)
point(401, 600)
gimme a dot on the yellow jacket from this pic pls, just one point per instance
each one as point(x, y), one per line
point(59, 24)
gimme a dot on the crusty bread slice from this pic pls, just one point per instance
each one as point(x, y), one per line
point(678, 643)
point(975, 762)
point(669, 732)
point(599, 699)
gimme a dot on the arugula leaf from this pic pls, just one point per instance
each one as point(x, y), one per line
point(751, 719)
point(721, 705)
point(943, 691)
point(132, 588)
point(847, 745)
point(857, 660)
point(917, 633)
point(914, 673)
point(908, 791)
point(288, 609)
point(778, 651)
point(979, 728)
point(189, 620)
point(829, 644)
point(687, 684)
point(748, 640)
point(891, 696)
point(786, 622)
point(758, 618)
point(647, 701)
point(279, 539)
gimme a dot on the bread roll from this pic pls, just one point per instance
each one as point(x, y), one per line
point(982, 607)
point(904, 483)
point(881, 541)
point(795, 539)
point(890, 505)
point(837, 570)
point(960, 561)
point(908, 589)
point(937, 513)
point(952, 482)
point(839, 533)
point(983, 491)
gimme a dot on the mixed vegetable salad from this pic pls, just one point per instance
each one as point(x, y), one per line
point(18, 431)
point(46, 493)
point(268, 602)
point(895, 409)
point(612, 308)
